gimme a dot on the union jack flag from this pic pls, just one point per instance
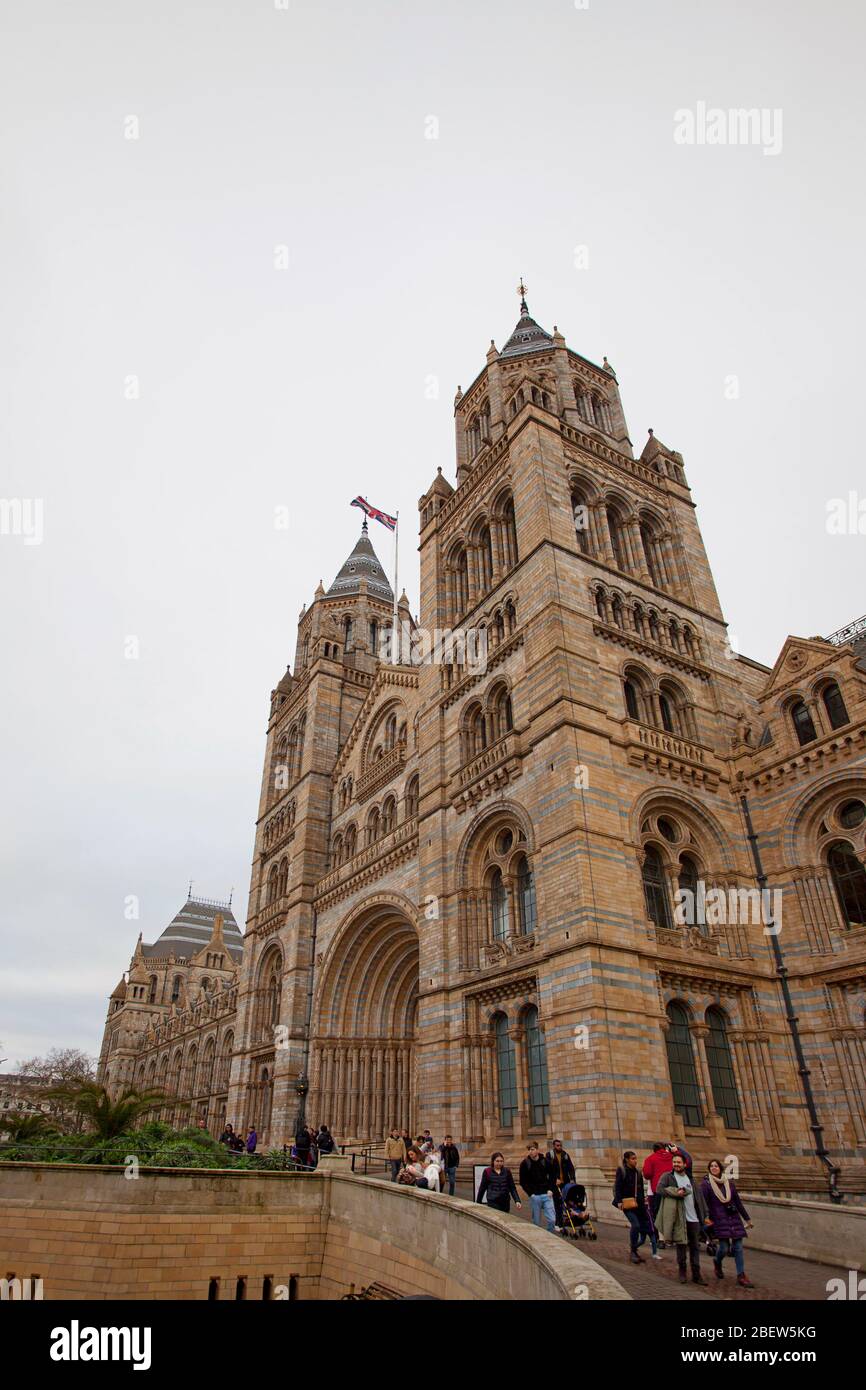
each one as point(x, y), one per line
point(386, 520)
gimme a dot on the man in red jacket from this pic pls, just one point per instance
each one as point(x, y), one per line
point(656, 1164)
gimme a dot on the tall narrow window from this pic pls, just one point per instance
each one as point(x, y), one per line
point(486, 555)
point(835, 706)
point(526, 896)
point(499, 906)
point(506, 1071)
point(681, 1066)
point(651, 554)
point(721, 1069)
point(849, 880)
point(666, 713)
point(655, 889)
point(580, 512)
point(803, 725)
point(510, 532)
point(632, 702)
point(614, 526)
point(688, 883)
point(536, 1069)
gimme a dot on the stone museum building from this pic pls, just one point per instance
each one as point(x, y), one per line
point(503, 884)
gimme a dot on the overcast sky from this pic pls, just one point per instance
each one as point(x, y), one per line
point(157, 258)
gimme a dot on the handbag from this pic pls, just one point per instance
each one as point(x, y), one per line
point(629, 1203)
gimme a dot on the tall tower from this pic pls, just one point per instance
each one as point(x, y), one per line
point(337, 654)
point(592, 745)
point(467, 865)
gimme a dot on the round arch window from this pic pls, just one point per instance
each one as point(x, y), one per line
point(852, 814)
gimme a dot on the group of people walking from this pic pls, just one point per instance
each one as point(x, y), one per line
point(309, 1143)
point(420, 1163)
point(663, 1204)
point(543, 1177)
point(239, 1143)
point(661, 1200)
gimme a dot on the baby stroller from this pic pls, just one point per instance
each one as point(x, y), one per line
point(576, 1220)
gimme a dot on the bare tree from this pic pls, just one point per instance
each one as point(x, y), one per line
point(61, 1067)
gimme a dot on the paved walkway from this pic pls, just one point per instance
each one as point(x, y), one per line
point(774, 1276)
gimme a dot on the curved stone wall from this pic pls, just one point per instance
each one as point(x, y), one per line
point(169, 1233)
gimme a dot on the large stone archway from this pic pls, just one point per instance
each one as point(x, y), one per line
point(364, 1064)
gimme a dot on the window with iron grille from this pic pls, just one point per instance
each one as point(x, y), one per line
point(681, 1065)
point(536, 1069)
point(721, 1067)
point(506, 1071)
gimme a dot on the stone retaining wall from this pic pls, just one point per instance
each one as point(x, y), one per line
point(92, 1233)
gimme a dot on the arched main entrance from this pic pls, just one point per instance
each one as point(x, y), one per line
point(364, 1071)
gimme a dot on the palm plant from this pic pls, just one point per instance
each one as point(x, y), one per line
point(107, 1118)
point(22, 1126)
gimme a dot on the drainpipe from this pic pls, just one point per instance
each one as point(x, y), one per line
point(302, 1085)
point(821, 1152)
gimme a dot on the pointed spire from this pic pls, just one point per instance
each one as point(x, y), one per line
point(528, 336)
point(363, 563)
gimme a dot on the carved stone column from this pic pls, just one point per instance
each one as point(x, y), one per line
point(521, 1118)
point(603, 532)
point(712, 1118)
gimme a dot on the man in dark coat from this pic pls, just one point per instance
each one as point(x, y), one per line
point(536, 1179)
point(562, 1168)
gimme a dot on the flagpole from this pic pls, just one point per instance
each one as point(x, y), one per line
point(394, 649)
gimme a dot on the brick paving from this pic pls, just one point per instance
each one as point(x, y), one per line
point(775, 1276)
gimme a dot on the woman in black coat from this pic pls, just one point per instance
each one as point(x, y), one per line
point(497, 1185)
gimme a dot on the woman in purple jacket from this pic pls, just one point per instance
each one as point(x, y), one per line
point(727, 1216)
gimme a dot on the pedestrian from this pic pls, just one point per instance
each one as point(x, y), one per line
point(727, 1220)
point(562, 1168)
point(302, 1145)
point(660, 1161)
point(325, 1140)
point(630, 1196)
point(423, 1173)
point(449, 1155)
point(252, 1140)
point(395, 1152)
point(407, 1139)
point(536, 1179)
point(497, 1185)
point(682, 1216)
point(227, 1136)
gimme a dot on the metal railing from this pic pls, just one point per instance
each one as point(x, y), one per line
point(367, 1158)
